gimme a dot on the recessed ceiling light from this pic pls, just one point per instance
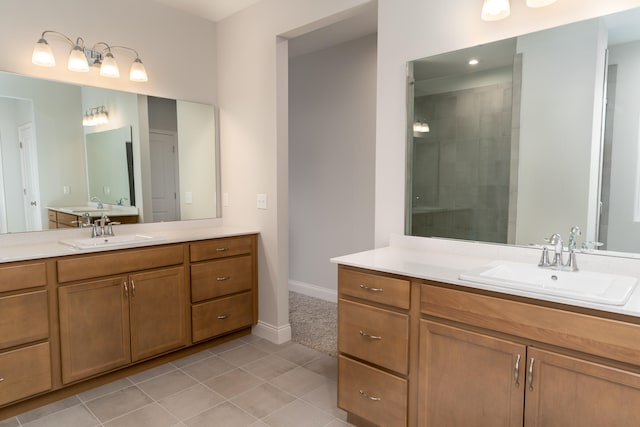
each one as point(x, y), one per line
point(473, 61)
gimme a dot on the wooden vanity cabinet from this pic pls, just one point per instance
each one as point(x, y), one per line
point(223, 286)
point(25, 351)
point(111, 322)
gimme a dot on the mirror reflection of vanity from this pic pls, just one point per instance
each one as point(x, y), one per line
point(50, 160)
point(522, 144)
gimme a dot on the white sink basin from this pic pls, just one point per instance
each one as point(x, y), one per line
point(611, 289)
point(111, 241)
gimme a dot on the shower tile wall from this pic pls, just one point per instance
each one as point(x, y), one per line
point(461, 167)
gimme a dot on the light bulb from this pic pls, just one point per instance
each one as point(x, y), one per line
point(43, 55)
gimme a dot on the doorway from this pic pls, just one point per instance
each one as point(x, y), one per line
point(165, 201)
point(30, 183)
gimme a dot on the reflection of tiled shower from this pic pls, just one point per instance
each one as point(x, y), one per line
point(461, 167)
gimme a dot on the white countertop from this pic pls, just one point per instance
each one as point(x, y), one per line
point(46, 244)
point(443, 260)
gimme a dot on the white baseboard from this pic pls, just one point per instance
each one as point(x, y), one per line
point(315, 291)
point(277, 335)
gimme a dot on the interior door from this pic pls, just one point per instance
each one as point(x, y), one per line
point(30, 183)
point(164, 176)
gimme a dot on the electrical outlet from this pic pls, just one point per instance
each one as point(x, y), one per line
point(65, 189)
point(261, 201)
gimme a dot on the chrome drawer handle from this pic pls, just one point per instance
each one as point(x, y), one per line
point(1, 379)
point(516, 371)
point(222, 249)
point(223, 278)
point(133, 288)
point(367, 288)
point(530, 379)
point(370, 397)
point(370, 337)
point(224, 316)
point(126, 289)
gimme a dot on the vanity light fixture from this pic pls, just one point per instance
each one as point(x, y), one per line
point(81, 57)
point(95, 116)
point(473, 61)
point(494, 10)
point(421, 126)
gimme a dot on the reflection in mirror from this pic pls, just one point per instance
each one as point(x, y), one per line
point(517, 147)
point(52, 170)
point(110, 166)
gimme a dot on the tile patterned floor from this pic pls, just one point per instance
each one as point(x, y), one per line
point(245, 382)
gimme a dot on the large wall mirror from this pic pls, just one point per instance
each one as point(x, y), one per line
point(512, 141)
point(154, 155)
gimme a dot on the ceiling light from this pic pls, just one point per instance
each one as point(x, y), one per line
point(81, 57)
point(473, 61)
point(493, 10)
point(539, 3)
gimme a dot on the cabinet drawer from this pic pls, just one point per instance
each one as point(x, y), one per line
point(23, 318)
point(371, 287)
point(220, 248)
point(222, 277)
point(220, 316)
point(24, 372)
point(373, 334)
point(52, 215)
point(22, 276)
point(124, 261)
point(67, 219)
point(372, 394)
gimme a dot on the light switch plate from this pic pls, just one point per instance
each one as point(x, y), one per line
point(261, 201)
point(188, 197)
point(225, 199)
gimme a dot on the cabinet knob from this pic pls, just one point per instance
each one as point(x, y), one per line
point(370, 396)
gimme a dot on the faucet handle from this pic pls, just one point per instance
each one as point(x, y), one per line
point(544, 258)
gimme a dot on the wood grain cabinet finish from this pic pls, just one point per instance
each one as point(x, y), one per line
point(221, 277)
point(22, 275)
point(24, 372)
point(374, 288)
point(24, 318)
point(221, 248)
point(221, 315)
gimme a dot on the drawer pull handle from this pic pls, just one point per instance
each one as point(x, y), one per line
point(530, 379)
point(367, 288)
point(370, 397)
point(1, 379)
point(133, 288)
point(224, 316)
point(222, 249)
point(126, 289)
point(223, 278)
point(516, 371)
point(370, 337)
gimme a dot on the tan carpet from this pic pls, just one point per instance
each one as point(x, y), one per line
point(314, 322)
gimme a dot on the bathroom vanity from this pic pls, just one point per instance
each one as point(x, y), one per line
point(68, 316)
point(418, 346)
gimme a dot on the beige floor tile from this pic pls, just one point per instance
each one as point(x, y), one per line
point(191, 401)
point(118, 403)
point(229, 345)
point(258, 424)
point(223, 415)
point(43, 411)
point(325, 397)
point(243, 355)
point(167, 384)
point(151, 373)
point(152, 415)
point(338, 423)
point(263, 400)
point(299, 354)
point(75, 416)
point(298, 381)
point(233, 383)
point(325, 365)
point(269, 367)
point(94, 393)
point(298, 413)
point(268, 346)
point(208, 368)
point(10, 422)
point(196, 357)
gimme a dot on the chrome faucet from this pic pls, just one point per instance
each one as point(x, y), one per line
point(558, 262)
point(102, 227)
point(95, 199)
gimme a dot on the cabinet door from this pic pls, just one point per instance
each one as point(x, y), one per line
point(94, 327)
point(469, 379)
point(158, 312)
point(571, 392)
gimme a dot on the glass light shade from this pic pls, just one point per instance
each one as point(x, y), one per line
point(109, 67)
point(138, 72)
point(43, 55)
point(493, 10)
point(539, 3)
point(101, 117)
point(77, 60)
